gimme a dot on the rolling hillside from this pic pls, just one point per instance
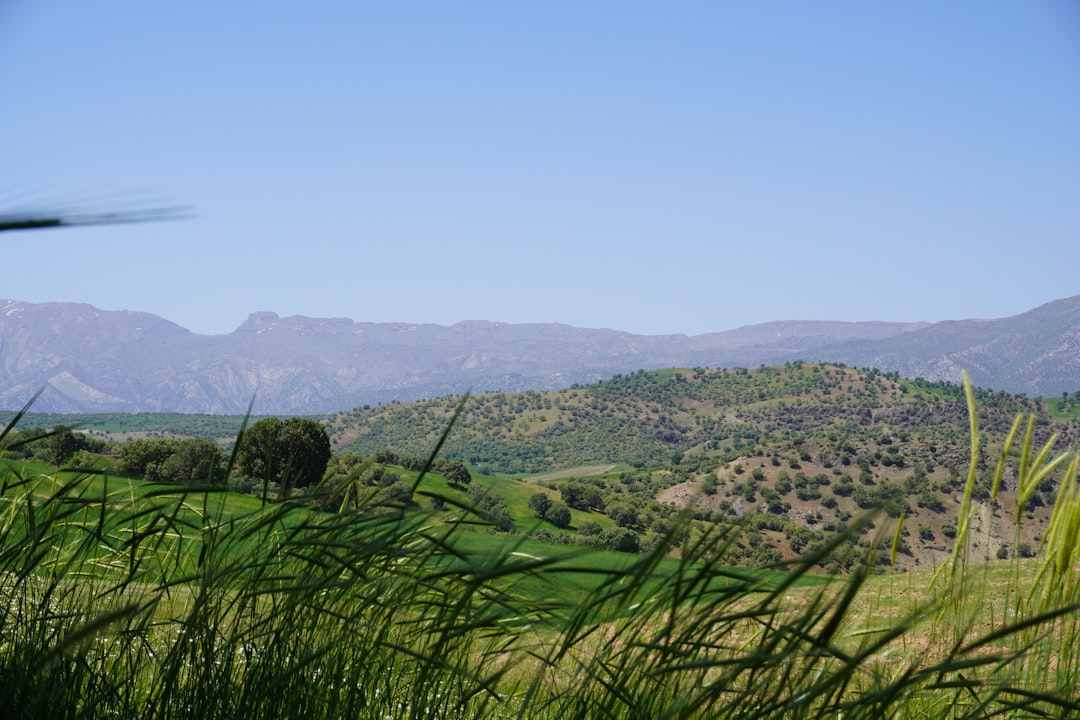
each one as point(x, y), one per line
point(791, 453)
point(794, 451)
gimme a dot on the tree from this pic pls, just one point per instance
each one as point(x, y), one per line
point(291, 453)
point(623, 514)
point(573, 494)
point(170, 460)
point(558, 515)
point(399, 492)
point(60, 446)
point(540, 503)
point(456, 473)
point(142, 458)
point(621, 539)
point(491, 507)
point(196, 460)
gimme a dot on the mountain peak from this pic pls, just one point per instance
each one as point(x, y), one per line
point(258, 321)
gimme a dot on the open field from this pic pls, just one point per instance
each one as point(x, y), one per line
point(120, 598)
point(132, 601)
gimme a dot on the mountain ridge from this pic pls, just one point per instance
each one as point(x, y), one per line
point(92, 360)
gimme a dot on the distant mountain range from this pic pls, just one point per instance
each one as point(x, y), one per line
point(91, 360)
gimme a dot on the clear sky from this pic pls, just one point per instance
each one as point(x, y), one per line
point(652, 167)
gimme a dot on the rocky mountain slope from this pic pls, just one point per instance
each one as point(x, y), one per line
point(91, 360)
point(1037, 352)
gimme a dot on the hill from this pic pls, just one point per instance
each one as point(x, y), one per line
point(675, 416)
point(793, 451)
point(790, 453)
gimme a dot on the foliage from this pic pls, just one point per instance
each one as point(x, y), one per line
point(54, 446)
point(169, 460)
point(491, 507)
point(540, 504)
point(559, 515)
point(290, 453)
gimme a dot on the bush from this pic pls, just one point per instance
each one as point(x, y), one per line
point(588, 528)
point(620, 539)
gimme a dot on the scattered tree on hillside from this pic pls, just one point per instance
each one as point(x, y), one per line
point(61, 445)
point(455, 472)
point(540, 503)
point(491, 507)
point(558, 515)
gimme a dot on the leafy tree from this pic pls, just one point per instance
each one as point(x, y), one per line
point(540, 503)
point(399, 491)
point(60, 445)
point(588, 528)
point(292, 453)
point(143, 457)
point(491, 507)
point(196, 460)
point(456, 473)
point(624, 515)
point(558, 515)
point(573, 494)
point(621, 539)
point(193, 460)
point(593, 498)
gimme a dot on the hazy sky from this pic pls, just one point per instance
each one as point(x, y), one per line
point(652, 167)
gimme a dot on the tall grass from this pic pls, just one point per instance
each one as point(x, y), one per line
point(120, 599)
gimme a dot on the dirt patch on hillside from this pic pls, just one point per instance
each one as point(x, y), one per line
point(687, 495)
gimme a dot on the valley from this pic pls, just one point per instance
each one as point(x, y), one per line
point(791, 454)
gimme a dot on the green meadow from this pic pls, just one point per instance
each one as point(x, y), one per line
point(126, 599)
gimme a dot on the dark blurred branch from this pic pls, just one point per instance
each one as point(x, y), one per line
point(32, 220)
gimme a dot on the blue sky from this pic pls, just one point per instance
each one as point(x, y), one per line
point(650, 167)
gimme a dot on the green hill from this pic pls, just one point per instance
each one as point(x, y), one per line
point(674, 416)
point(793, 452)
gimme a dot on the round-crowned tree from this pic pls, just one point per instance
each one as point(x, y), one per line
point(291, 453)
point(558, 515)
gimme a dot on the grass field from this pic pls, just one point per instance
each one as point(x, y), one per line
point(127, 600)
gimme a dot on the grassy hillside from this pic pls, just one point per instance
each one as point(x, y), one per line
point(669, 417)
point(791, 453)
point(128, 600)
